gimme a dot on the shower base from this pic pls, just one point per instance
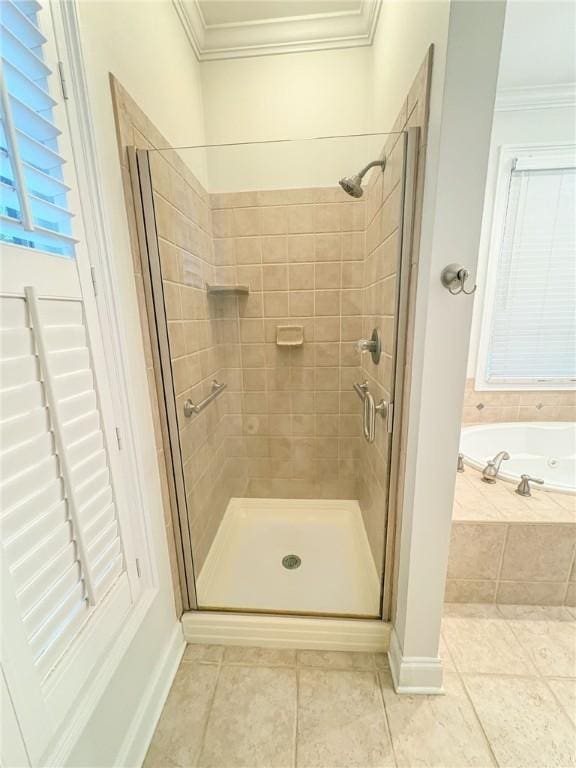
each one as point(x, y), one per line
point(304, 556)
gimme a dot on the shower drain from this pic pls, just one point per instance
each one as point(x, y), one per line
point(291, 562)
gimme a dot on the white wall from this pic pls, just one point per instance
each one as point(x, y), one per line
point(405, 31)
point(143, 44)
point(523, 126)
point(297, 95)
point(462, 98)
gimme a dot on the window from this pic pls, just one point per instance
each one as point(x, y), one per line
point(69, 575)
point(529, 325)
point(33, 209)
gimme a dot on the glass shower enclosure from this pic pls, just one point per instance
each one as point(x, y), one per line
point(277, 300)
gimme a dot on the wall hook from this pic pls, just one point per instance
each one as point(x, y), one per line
point(454, 278)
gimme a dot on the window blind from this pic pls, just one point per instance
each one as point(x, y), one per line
point(532, 336)
point(33, 209)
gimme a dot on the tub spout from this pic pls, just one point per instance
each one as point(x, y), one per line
point(490, 471)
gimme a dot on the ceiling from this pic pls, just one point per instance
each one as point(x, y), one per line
point(225, 29)
point(235, 12)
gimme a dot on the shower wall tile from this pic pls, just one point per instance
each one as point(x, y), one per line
point(204, 336)
point(294, 270)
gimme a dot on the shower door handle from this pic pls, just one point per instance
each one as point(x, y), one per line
point(369, 418)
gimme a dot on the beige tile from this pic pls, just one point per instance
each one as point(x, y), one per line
point(439, 731)
point(327, 217)
point(327, 303)
point(327, 275)
point(245, 221)
point(328, 247)
point(353, 246)
point(252, 719)
point(301, 277)
point(485, 645)
point(472, 611)
point(463, 591)
point(352, 274)
point(475, 551)
point(341, 720)
point(203, 653)
point(301, 303)
point(336, 659)
point(268, 657)
point(275, 277)
point(301, 219)
point(248, 250)
point(274, 249)
point(539, 552)
point(550, 644)
point(172, 301)
point(300, 248)
point(327, 329)
point(352, 301)
point(178, 737)
point(524, 724)
point(276, 304)
point(535, 612)
point(274, 221)
point(565, 692)
point(531, 592)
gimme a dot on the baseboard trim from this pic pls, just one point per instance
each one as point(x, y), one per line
point(414, 674)
point(369, 635)
point(139, 734)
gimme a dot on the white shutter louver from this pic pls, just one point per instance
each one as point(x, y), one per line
point(59, 525)
point(532, 334)
point(34, 212)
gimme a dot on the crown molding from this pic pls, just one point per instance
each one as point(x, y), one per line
point(536, 97)
point(267, 37)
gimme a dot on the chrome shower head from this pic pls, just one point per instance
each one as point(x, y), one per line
point(352, 185)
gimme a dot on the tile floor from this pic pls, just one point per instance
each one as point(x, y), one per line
point(510, 682)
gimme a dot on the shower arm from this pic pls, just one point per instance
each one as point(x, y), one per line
point(373, 164)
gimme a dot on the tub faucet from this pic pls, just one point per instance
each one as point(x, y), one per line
point(524, 485)
point(490, 471)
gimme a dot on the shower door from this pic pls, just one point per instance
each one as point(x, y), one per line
point(261, 276)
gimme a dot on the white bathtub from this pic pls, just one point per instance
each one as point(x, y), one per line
point(544, 450)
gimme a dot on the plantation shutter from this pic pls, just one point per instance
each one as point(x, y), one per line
point(34, 210)
point(533, 326)
point(68, 575)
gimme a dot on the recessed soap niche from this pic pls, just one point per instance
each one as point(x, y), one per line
point(289, 335)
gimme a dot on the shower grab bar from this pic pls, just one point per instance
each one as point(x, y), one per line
point(190, 408)
point(362, 390)
point(371, 408)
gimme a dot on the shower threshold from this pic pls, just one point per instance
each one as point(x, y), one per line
point(306, 557)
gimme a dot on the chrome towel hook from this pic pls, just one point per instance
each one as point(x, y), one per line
point(454, 277)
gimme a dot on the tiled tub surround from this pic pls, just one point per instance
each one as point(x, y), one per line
point(510, 701)
point(484, 406)
point(506, 548)
point(301, 253)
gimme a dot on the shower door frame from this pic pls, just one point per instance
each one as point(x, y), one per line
point(411, 138)
point(141, 177)
point(140, 172)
